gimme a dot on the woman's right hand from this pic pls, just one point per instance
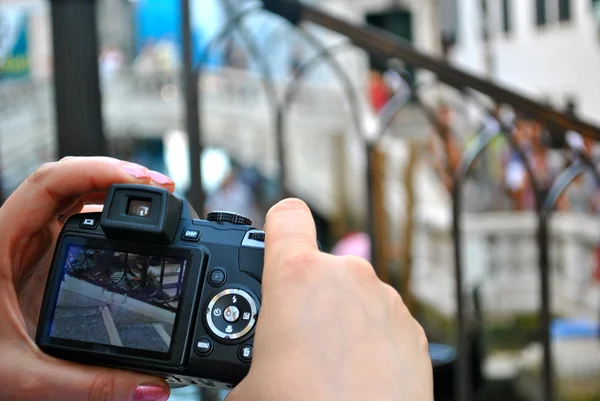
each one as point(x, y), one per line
point(329, 329)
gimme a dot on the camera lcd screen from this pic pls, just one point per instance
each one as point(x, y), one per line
point(118, 299)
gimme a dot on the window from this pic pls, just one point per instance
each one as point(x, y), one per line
point(484, 21)
point(448, 20)
point(564, 10)
point(552, 11)
point(596, 9)
point(540, 12)
point(506, 16)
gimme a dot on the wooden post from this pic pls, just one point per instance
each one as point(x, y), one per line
point(407, 251)
point(339, 166)
point(78, 105)
point(190, 78)
point(379, 215)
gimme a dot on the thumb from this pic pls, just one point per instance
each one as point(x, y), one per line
point(57, 380)
point(290, 230)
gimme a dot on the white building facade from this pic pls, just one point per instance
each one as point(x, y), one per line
point(547, 49)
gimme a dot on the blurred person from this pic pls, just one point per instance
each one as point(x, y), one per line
point(582, 196)
point(354, 244)
point(394, 81)
point(235, 57)
point(111, 61)
point(375, 350)
point(379, 92)
point(145, 67)
point(516, 178)
point(296, 62)
point(444, 148)
point(166, 55)
point(492, 160)
point(235, 195)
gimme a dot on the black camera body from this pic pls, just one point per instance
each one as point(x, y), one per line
point(147, 286)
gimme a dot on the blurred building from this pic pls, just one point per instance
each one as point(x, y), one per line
point(552, 54)
point(548, 49)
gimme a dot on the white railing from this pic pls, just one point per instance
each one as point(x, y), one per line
point(501, 257)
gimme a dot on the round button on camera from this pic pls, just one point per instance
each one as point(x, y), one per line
point(245, 353)
point(231, 314)
point(204, 346)
point(217, 277)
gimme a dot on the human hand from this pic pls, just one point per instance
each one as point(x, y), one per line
point(329, 329)
point(30, 225)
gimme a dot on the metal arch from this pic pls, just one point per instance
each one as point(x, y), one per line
point(589, 163)
point(475, 148)
point(272, 38)
point(341, 74)
point(561, 184)
point(394, 107)
point(224, 32)
point(548, 390)
point(390, 111)
point(544, 214)
point(252, 49)
point(464, 388)
point(192, 86)
point(307, 66)
point(506, 132)
point(464, 352)
point(289, 96)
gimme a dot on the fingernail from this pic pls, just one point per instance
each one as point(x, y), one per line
point(160, 179)
point(136, 171)
point(150, 393)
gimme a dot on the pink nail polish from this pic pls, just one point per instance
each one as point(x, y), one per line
point(160, 178)
point(136, 171)
point(150, 393)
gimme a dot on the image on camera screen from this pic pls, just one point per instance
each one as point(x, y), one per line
point(119, 299)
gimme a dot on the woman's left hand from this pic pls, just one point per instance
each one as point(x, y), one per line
point(29, 227)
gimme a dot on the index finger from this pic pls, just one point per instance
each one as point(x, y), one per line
point(290, 231)
point(41, 196)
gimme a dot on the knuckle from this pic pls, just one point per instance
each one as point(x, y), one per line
point(42, 172)
point(102, 388)
point(302, 266)
point(396, 301)
point(359, 267)
point(422, 338)
point(303, 261)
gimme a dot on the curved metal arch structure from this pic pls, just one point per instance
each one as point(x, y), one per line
point(291, 92)
point(387, 47)
point(472, 152)
point(255, 53)
point(384, 119)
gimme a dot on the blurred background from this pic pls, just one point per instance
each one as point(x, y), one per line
point(244, 113)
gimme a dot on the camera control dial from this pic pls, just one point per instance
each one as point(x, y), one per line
point(228, 217)
point(231, 314)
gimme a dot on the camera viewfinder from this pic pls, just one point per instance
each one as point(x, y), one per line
point(139, 207)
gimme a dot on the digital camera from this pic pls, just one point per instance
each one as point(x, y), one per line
point(147, 286)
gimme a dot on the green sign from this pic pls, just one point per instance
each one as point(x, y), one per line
point(14, 57)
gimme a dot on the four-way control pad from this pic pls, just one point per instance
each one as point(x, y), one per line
point(231, 314)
